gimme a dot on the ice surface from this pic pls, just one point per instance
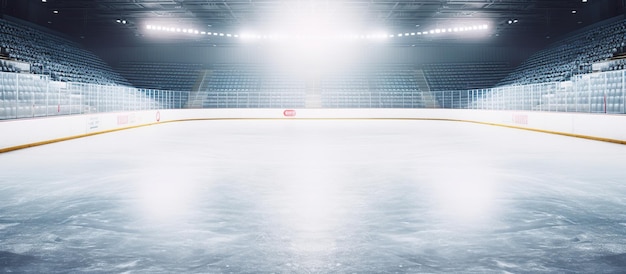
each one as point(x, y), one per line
point(315, 197)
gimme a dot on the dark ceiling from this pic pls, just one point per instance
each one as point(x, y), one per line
point(98, 22)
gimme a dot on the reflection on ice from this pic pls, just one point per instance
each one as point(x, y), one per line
point(314, 197)
point(163, 195)
point(309, 193)
point(466, 194)
point(312, 205)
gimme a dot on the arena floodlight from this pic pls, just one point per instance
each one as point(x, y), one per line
point(412, 33)
point(229, 35)
point(247, 36)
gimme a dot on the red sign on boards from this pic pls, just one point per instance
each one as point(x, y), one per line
point(289, 113)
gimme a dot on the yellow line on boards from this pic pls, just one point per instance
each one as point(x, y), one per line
point(14, 148)
point(56, 140)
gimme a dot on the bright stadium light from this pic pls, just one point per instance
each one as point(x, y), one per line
point(318, 30)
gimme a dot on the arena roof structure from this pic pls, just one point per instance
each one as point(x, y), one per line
point(126, 21)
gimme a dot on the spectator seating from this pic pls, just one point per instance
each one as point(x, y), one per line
point(252, 87)
point(385, 87)
point(53, 55)
point(8, 67)
point(464, 76)
point(164, 76)
point(258, 87)
point(571, 56)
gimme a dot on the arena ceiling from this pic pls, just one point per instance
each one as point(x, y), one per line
point(124, 21)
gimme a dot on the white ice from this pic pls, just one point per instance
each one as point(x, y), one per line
point(315, 196)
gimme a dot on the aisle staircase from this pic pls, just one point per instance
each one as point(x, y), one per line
point(428, 98)
point(196, 97)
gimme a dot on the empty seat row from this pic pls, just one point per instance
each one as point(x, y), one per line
point(463, 76)
point(60, 58)
point(158, 75)
point(571, 56)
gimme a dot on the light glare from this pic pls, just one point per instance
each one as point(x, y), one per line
point(313, 34)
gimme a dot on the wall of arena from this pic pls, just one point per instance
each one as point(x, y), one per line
point(33, 132)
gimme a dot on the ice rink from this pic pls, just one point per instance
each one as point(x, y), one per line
point(315, 196)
